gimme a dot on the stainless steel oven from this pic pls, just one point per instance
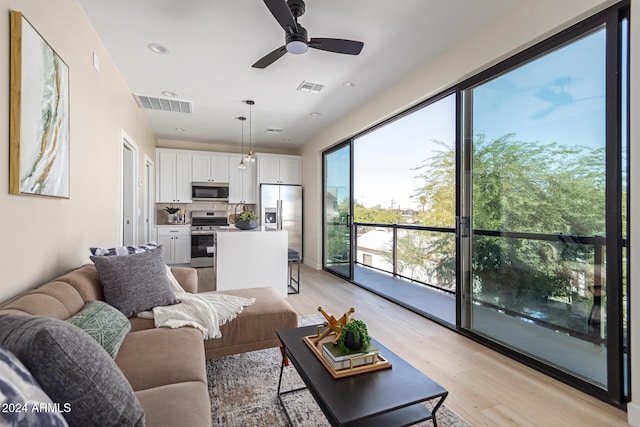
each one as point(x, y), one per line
point(203, 236)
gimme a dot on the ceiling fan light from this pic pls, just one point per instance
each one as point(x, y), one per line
point(297, 47)
point(296, 43)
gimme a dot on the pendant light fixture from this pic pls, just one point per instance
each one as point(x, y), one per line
point(242, 165)
point(251, 157)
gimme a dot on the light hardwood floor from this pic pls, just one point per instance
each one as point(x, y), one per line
point(485, 387)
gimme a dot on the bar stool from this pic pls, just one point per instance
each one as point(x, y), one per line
point(294, 258)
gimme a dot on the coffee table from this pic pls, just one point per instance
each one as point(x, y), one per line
point(389, 397)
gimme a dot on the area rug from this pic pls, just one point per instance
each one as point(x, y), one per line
point(243, 390)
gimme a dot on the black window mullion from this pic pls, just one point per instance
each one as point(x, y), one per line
point(615, 340)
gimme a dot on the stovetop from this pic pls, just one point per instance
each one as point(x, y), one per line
point(208, 220)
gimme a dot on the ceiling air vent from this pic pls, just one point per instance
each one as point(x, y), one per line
point(163, 104)
point(310, 87)
point(273, 130)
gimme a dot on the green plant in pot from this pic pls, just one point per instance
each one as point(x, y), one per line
point(247, 220)
point(171, 214)
point(354, 337)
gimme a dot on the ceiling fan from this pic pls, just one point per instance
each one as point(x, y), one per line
point(296, 38)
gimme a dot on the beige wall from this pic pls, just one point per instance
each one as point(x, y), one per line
point(516, 30)
point(43, 237)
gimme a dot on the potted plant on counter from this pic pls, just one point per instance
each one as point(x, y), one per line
point(172, 218)
point(247, 220)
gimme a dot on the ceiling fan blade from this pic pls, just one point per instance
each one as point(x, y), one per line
point(348, 47)
point(280, 10)
point(270, 58)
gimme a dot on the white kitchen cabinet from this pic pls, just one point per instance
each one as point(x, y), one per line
point(174, 177)
point(242, 183)
point(176, 244)
point(210, 167)
point(279, 169)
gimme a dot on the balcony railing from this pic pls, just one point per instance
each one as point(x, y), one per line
point(406, 253)
point(575, 271)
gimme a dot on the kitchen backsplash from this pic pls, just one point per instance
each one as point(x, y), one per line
point(229, 208)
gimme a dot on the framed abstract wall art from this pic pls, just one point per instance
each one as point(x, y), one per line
point(38, 115)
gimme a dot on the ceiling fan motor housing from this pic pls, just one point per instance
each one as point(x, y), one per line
point(297, 7)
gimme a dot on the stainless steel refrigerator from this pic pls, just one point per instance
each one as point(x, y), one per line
point(281, 209)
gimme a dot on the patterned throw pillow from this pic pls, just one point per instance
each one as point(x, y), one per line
point(123, 250)
point(135, 283)
point(104, 323)
point(73, 370)
point(23, 401)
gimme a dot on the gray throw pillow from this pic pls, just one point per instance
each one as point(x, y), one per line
point(106, 324)
point(135, 283)
point(23, 401)
point(73, 370)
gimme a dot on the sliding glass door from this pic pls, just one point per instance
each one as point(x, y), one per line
point(541, 251)
point(505, 197)
point(337, 210)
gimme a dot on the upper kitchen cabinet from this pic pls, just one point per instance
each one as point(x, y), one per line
point(279, 169)
point(174, 176)
point(242, 182)
point(210, 167)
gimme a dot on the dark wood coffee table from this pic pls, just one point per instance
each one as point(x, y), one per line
point(389, 397)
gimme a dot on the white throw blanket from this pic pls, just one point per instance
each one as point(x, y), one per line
point(206, 312)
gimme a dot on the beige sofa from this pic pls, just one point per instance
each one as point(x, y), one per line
point(165, 367)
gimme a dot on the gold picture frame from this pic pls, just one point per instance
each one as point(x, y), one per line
point(39, 149)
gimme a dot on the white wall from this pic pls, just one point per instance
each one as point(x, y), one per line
point(514, 31)
point(43, 237)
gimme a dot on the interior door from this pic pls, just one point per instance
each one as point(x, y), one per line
point(128, 202)
point(337, 188)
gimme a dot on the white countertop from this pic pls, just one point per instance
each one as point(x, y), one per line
point(186, 224)
point(233, 228)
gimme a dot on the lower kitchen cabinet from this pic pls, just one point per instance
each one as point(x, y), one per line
point(176, 244)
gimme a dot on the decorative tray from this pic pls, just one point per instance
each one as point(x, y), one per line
point(378, 364)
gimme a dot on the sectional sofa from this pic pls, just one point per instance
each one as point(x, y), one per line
point(158, 375)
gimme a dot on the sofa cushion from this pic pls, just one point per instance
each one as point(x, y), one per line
point(22, 398)
point(123, 250)
point(104, 323)
point(157, 357)
point(135, 283)
point(72, 369)
point(181, 404)
point(255, 328)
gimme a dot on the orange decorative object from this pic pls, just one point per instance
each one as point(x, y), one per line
point(334, 325)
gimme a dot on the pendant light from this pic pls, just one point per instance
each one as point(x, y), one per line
point(251, 157)
point(242, 165)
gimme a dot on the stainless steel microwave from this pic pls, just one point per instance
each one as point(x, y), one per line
point(210, 191)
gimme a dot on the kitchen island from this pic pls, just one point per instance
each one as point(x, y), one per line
point(251, 258)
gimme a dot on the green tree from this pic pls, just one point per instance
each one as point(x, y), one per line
point(523, 187)
point(438, 196)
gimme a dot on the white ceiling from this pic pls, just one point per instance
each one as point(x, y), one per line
point(213, 43)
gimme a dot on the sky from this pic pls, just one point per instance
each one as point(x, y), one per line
point(558, 97)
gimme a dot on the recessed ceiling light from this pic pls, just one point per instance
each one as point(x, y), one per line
point(181, 129)
point(169, 94)
point(157, 48)
point(315, 114)
point(349, 84)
